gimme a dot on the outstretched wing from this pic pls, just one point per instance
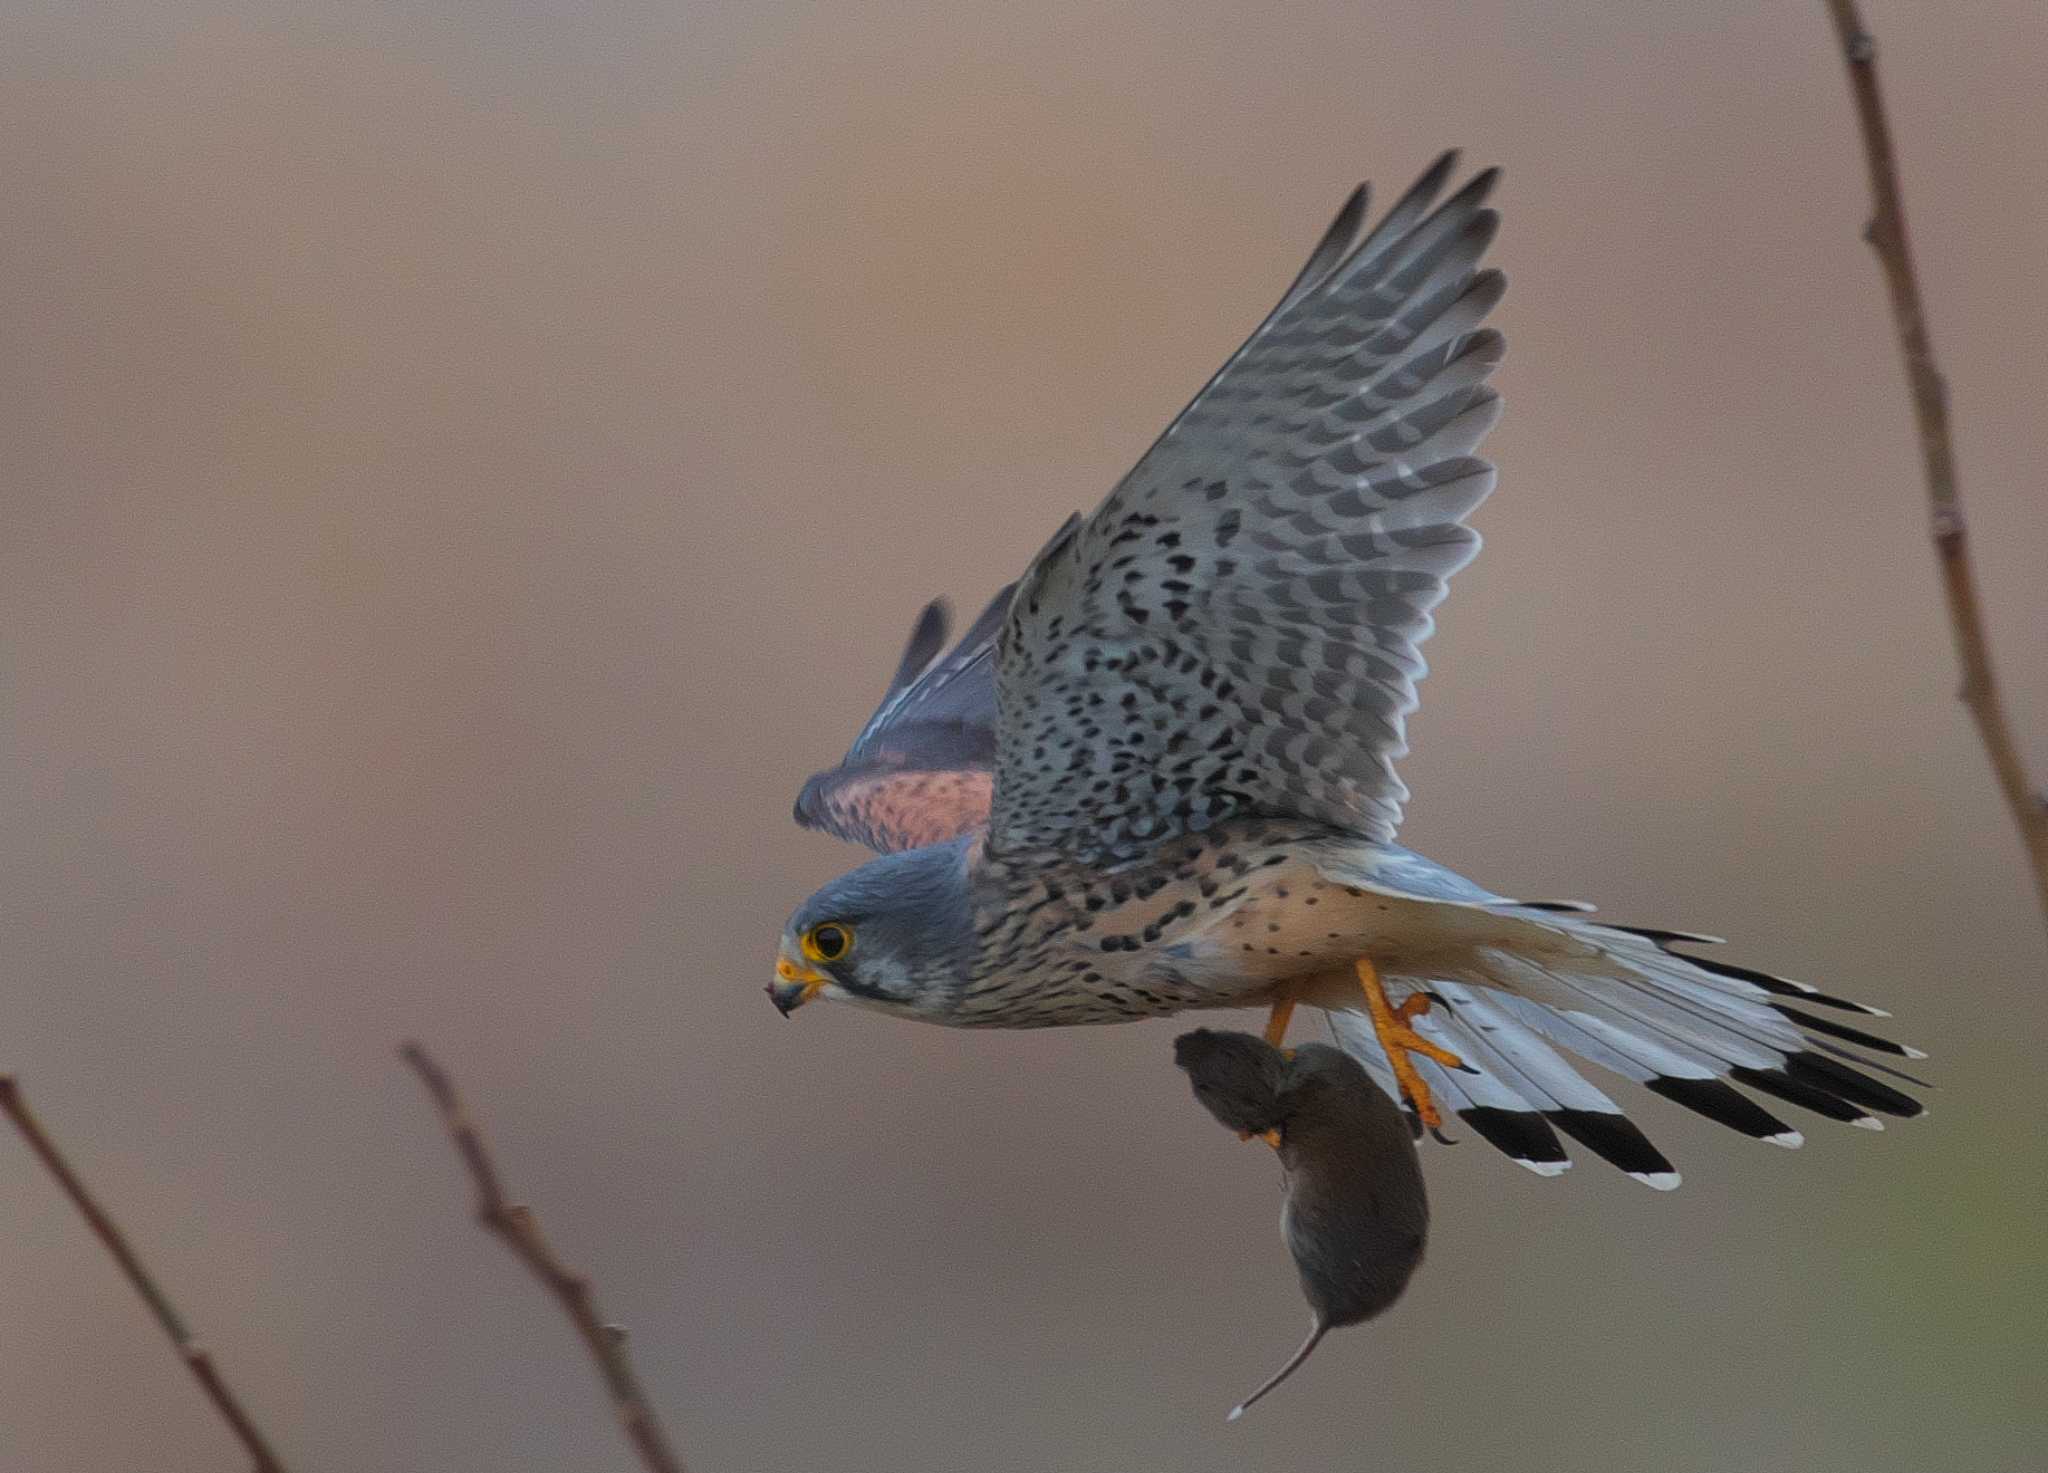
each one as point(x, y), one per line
point(921, 769)
point(1235, 629)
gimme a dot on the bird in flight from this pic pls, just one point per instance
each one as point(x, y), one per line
point(1157, 773)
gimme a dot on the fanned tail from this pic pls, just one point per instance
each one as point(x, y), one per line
point(1686, 1028)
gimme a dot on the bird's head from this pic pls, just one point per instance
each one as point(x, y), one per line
point(895, 934)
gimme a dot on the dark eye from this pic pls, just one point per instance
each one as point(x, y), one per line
point(828, 943)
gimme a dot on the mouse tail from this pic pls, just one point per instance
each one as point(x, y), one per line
point(1315, 1335)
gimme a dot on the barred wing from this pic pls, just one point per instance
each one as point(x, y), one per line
point(1235, 629)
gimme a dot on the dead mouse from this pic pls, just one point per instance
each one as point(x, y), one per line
point(1356, 1215)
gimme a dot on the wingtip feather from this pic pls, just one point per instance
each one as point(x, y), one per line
point(927, 638)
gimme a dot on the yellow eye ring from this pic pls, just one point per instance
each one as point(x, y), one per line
point(827, 942)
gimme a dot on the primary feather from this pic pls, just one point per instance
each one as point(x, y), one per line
point(1236, 629)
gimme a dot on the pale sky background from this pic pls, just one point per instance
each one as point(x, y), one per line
point(464, 464)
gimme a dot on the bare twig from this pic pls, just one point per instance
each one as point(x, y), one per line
point(520, 1230)
point(195, 1355)
point(1887, 236)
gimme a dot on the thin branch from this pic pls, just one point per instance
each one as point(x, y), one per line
point(520, 1230)
point(1887, 236)
point(195, 1355)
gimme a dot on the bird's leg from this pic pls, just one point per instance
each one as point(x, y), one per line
point(1399, 1040)
point(1276, 1034)
point(1276, 1021)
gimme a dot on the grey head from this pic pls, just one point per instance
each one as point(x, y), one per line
point(895, 934)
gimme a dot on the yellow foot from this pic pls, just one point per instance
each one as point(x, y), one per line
point(1399, 1041)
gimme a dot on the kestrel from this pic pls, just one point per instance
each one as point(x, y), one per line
point(1157, 774)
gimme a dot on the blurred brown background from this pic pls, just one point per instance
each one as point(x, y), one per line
point(465, 463)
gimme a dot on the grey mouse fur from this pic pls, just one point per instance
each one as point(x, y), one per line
point(1356, 1216)
point(1237, 1078)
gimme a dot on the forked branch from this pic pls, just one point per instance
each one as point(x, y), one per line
point(520, 1230)
point(196, 1357)
point(1887, 236)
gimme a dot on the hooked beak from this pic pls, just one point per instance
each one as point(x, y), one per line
point(794, 985)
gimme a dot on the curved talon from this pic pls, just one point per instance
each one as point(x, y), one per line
point(1399, 1040)
point(1441, 1138)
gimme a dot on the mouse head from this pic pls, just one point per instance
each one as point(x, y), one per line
point(1237, 1078)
